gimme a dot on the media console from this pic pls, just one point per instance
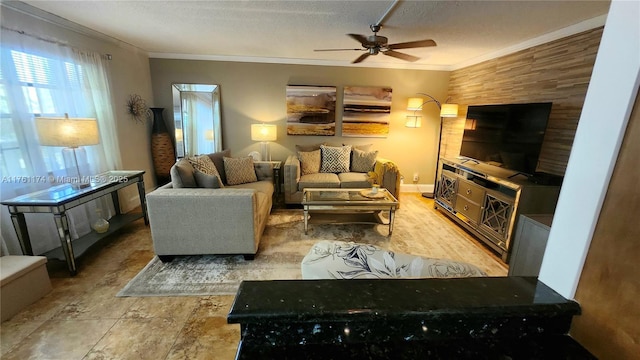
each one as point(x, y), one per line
point(486, 200)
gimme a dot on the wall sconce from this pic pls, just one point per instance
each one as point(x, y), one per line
point(264, 133)
point(414, 121)
point(72, 134)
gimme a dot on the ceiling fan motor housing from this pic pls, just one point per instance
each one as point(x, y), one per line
point(375, 41)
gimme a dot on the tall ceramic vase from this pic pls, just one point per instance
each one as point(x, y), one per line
point(162, 149)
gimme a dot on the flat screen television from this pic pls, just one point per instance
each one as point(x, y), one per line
point(508, 135)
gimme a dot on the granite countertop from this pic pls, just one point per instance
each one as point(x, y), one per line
point(351, 300)
point(467, 318)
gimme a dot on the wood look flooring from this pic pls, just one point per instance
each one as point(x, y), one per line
point(83, 319)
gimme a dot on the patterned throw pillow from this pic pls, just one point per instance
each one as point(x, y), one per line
point(204, 164)
point(309, 162)
point(335, 159)
point(362, 161)
point(240, 170)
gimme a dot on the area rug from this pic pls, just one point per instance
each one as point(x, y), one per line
point(418, 230)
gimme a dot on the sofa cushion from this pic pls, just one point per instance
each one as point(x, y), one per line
point(354, 180)
point(240, 170)
point(319, 180)
point(207, 181)
point(309, 162)
point(335, 159)
point(182, 175)
point(264, 186)
point(218, 161)
point(363, 161)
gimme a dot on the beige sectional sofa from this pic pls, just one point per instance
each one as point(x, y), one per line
point(379, 171)
point(187, 219)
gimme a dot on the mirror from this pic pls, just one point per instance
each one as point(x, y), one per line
point(196, 116)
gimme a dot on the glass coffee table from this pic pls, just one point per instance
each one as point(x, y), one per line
point(348, 206)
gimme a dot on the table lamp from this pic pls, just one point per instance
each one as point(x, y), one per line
point(264, 133)
point(72, 134)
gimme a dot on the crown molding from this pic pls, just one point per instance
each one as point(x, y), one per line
point(34, 12)
point(290, 61)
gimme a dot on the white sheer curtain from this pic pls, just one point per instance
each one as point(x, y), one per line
point(44, 78)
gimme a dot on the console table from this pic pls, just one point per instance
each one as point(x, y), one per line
point(487, 200)
point(60, 198)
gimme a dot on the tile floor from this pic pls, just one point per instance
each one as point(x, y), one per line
point(83, 319)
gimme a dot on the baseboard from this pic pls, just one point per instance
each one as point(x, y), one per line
point(416, 188)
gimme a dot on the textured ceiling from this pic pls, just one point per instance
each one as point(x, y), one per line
point(289, 31)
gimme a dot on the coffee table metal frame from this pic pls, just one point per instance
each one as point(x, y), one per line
point(347, 206)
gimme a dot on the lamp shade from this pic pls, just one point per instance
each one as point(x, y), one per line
point(263, 132)
point(449, 110)
point(415, 104)
point(67, 132)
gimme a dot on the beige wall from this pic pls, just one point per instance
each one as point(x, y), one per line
point(129, 72)
point(253, 93)
point(609, 287)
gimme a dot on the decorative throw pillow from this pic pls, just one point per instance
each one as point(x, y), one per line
point(309, 162)
point(362, 161)
point(204, 164)
point(218, 161)
point(206, 181)
point(182, 175)
point(240, 170)
point(335, 159)
point(363, 147)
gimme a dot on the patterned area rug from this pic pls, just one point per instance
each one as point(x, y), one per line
point(418, 230)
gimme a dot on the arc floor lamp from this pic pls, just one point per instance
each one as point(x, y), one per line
point(415, 121)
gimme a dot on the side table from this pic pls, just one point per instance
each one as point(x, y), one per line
point(60, 198)
point(277, 181)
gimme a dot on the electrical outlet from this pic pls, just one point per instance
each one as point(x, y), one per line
point(415, 177)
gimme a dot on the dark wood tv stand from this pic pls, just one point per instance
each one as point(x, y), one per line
point(487, 200)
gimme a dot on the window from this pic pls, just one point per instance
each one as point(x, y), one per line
point(32, 85)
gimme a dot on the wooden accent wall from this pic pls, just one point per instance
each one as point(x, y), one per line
point(609, 285)
point(558, 72)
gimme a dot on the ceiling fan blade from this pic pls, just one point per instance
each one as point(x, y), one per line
point(360, 58)
point(338, 49)
point(412, 44)
point(360, 38)
point(400, 55)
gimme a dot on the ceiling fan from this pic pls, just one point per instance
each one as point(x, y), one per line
point(376, 44)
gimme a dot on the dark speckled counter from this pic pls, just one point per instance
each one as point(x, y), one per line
point(470, 318)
